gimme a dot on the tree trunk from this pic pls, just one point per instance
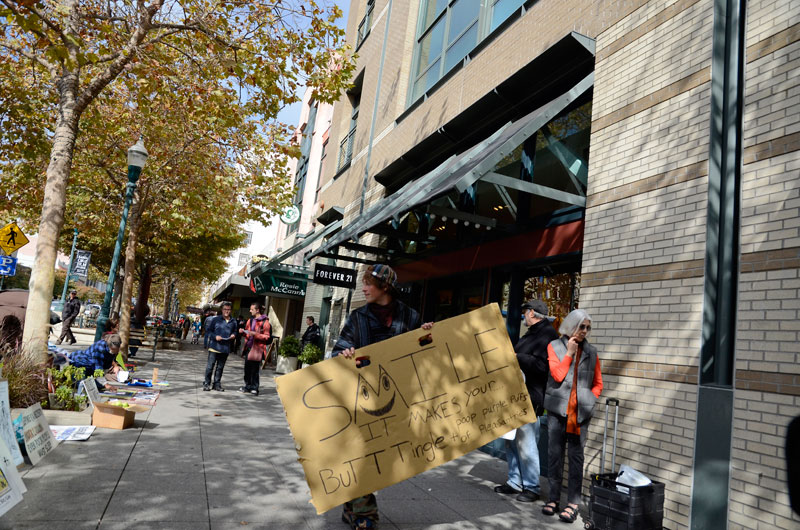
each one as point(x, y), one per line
point(37, 314)
point(145, 281)
point(127, 284)
point(117, 299)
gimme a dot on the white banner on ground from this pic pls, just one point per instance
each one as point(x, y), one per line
point(39, 440)
point(6, 426)
point(72, 433)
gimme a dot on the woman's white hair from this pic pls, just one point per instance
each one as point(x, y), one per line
point(572, 321)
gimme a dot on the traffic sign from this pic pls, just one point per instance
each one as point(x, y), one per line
point(8, 266)
point(12, 238)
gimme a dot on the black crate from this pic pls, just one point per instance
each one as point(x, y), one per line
point(642, 508)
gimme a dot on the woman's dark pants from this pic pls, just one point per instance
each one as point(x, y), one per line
point(557, 438)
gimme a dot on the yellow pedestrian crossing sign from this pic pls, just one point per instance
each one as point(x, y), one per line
point(12, 238)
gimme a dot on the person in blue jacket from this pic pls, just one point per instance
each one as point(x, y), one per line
point(221, 334)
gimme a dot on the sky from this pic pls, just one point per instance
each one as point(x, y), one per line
point(291, 114)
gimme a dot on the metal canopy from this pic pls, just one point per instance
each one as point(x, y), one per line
point(461, 171)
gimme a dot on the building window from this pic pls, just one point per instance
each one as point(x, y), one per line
point(448, 31)
point(243, 259)
point(346, 145)
point(502, 9)
point(364, 25)
point(305, 149)
point(322, 160)
point(248, 238)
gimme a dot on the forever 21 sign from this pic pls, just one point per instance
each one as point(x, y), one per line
point(328, 275)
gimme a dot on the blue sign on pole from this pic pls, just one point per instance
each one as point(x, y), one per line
point(8, 266)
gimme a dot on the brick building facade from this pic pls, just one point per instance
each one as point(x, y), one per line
point(686, 218)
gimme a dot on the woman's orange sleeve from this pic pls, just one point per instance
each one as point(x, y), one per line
point(558, 369)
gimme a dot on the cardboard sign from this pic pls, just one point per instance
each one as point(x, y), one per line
point(39, 440)
point(6, 426)
point(90, 387)
point(11, 486)
point(417, 405)
point(10, 468)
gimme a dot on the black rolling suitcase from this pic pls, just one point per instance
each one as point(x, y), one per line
point(624, 507)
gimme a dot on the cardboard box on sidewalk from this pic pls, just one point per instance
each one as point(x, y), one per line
point(112, 416)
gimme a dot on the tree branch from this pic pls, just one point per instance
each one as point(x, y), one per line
point(118, 64)
point(51, 68)
point(47, 22)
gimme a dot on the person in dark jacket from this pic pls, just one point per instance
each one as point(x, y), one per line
point(522, 453)
point(381, 318)
point(71, 310)
point(312, 333)
point(222, 334)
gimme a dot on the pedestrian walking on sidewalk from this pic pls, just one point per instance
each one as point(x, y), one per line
point(381, 318)
point(222, 333)
point(71, 310)
point(259, 334)
point(573, 387)
point(206, 336)
point(522, 453)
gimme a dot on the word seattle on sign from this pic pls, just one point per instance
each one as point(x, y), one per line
point(338, 276)
point(423, 400)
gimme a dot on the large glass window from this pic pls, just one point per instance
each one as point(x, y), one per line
point(502, 9)
point(448, 31)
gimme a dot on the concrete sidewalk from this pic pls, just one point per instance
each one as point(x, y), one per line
point(225, 460)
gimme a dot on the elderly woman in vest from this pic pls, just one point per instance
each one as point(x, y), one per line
point(573, 386)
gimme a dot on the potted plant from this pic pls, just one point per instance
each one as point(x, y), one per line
point(311, 354)
point(287, 355)
point(64, 382)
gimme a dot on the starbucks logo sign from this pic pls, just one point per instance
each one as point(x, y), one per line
point(290, 215)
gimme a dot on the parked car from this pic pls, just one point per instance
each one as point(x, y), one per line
point(92, 310)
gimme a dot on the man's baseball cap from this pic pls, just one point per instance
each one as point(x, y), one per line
point(537, 305)
point(113, 340)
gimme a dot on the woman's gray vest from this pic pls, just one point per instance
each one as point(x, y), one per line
point(556, 396)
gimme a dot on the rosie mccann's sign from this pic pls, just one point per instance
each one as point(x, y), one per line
point(278, 287)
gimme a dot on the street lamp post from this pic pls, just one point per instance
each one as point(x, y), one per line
point(69, 267)
point(137, 156)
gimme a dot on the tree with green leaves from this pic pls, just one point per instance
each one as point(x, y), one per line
point(60, 58)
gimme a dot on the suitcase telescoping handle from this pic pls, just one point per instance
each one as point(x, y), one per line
point(615, 402)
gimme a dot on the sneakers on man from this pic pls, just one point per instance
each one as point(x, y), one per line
point(528, 496)
point(254, 392)
point(243, 389)
point(219, 388)
point(206, 388)
point(505, 489)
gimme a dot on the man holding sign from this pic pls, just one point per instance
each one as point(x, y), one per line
point(409, 403)
point(383, 317)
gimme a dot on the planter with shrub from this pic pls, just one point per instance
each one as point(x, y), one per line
point(311, 354)
point(288, 352)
